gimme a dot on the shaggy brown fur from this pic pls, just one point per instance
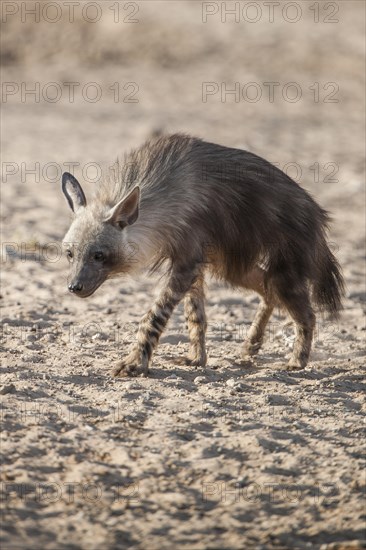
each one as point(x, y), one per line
point(196, 206)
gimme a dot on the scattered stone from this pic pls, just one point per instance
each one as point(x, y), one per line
point(8, 388)
point(235, 385)
point(199, 379)
point(242, 482)
point(132, 386)
point(31, 358)
point(99, 336)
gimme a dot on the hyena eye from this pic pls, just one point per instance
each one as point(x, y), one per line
point(69, 254)
point(99, 256)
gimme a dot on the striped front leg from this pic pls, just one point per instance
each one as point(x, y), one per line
point(154, 322)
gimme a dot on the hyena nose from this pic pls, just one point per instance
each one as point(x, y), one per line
point(75, 287)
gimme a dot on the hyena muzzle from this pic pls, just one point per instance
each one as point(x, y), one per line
point(197, 207)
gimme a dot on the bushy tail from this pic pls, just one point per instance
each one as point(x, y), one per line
point(329, 287)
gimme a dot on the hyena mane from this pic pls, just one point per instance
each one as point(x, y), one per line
point(229, 209)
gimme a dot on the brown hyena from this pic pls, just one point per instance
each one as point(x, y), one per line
point(193, 206)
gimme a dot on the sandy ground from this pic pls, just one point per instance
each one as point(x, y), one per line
point(234, 456)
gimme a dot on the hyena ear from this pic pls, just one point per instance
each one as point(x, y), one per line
point(73, 192)
point(126, 211)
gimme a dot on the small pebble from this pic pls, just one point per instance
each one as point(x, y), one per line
point(242, 482)
point(8, 388)
point(235, 385)
point(132, 386)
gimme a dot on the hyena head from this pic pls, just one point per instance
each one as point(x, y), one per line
point(99, 243)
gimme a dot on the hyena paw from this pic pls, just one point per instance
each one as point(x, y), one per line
point(196, 360)
point(132, 365)
point(251, 348)
point(296, 364)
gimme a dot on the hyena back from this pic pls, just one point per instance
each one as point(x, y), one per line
point(196, 206)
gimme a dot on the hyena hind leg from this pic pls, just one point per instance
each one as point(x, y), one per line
point(254, 280)
point(194, 310)
point(296, 299)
